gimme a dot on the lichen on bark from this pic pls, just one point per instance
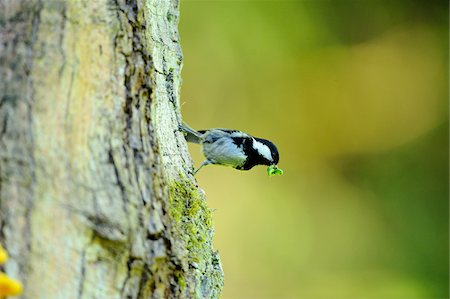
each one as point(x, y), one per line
point(97, 199)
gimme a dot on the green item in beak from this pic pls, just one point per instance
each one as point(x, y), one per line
point(274, 170)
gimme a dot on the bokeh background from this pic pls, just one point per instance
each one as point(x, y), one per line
point(355, 95)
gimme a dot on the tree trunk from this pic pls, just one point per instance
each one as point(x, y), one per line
point(97, 199)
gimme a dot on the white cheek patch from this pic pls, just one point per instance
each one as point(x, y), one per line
point(263, 149)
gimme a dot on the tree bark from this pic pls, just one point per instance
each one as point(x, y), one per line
point(97, 199)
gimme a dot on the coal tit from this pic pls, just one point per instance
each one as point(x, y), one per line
point(233, 148)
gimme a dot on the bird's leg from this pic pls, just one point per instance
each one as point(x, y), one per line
point(207, 162)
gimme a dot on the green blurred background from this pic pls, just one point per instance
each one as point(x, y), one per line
point(355, 95)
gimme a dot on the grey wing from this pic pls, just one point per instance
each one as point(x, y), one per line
point(220, 149)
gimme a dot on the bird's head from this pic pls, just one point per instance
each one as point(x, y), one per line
point(269, 155)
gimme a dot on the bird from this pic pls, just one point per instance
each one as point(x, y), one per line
point(233, 148)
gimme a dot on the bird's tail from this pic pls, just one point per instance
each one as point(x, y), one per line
point(190, 134)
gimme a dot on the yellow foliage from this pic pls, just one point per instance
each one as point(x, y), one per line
point(3, 255)
point(8, 286)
